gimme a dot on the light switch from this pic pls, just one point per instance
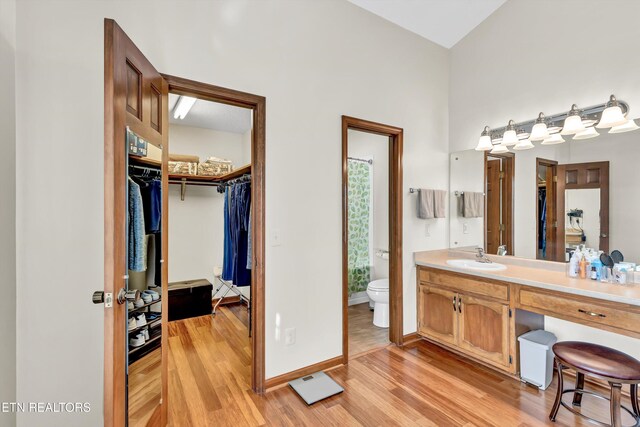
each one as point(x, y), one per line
point(465, 228)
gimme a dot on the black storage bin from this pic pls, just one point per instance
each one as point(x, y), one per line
point(190, 298)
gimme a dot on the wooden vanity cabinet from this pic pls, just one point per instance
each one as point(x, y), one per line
point(467, 315)
point(440, 321)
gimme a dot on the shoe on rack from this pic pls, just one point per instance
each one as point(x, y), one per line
point(130, 306)
point(132, 323)
point(138, 303)
point(137, 341)
point(141, 320)
point(155, 296)
point(147, 298)
point(145, 333)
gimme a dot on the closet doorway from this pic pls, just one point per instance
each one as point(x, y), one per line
point(371, 236)
point(137, 147)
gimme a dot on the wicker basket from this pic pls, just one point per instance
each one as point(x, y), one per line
point(214, 166)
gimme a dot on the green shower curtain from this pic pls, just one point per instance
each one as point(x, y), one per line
point(359, 196)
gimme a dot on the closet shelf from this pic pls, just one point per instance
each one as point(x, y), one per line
point(144, 161)
point(209, 181)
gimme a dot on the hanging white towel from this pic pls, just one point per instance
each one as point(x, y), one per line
point(425, 204)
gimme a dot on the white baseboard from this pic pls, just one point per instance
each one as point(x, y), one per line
point(358, 298)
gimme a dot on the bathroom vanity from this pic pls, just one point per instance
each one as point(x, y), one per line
point(479, 313)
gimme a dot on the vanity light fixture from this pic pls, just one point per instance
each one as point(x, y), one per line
point(579, 122)
point(627, 127)
point(612, 115)
point(556, 138)
point(525, 144)
point(573, 123)
point(499, 149)
point(183, 106)
point(539, 132)
point(509, 137)
point(588, 133)
point(484, 143)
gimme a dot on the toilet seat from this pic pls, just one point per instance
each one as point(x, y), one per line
point(381, 285)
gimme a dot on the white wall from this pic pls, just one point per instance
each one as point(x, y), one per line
point(314, 61)
point(196, 224)
point(7, 207)
point(376, 147)
point(466, 173)
point(512, 67)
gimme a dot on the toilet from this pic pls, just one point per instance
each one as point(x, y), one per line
point(378, 291)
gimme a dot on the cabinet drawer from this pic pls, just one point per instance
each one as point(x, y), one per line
point(465, 284)
point(586, 311)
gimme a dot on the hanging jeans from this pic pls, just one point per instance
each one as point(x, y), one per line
point(152, 201)
point(227, 263)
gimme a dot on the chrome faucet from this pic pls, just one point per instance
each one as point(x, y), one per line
point(481, 257)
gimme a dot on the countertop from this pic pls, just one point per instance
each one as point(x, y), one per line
point(534, 273)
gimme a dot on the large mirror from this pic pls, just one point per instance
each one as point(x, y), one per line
point(543, 202)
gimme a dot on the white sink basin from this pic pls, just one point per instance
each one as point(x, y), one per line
point(475, 265)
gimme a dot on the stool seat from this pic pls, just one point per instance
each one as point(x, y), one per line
point(598, 360)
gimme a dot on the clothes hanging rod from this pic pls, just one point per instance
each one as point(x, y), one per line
point(370, 161)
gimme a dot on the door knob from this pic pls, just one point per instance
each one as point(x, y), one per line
point(101, 297)
point(603, 235)
point(124, 296)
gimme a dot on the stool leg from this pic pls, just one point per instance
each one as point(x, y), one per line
point(577, 397)
point(556, 404)
point(616, 390)
point(634, 400)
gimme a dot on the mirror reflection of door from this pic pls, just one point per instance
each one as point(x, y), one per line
point(583, 200)
point(499, 173)
point(546, 213)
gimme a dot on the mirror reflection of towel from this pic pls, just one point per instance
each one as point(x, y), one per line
point(425, 204)
point(473, 204)
point(439, 202)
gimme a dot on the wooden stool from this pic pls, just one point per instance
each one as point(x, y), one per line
point(600, 362)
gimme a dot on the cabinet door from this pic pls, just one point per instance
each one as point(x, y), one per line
point(437, 317)
point(484, 329)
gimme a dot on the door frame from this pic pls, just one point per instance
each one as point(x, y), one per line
point(395, 136)
point(553, 164)
point(257, 104)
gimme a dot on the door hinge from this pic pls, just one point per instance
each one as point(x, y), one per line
point(510, 313)
point(555, 178)
point(555, 224)
point(501, 175)
point(510, 360)
point(503, 227)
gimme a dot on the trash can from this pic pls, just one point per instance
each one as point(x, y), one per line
point(536, 357)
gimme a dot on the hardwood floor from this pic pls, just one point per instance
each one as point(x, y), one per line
point(419, 385)
point(363, 334)
point(145, 386)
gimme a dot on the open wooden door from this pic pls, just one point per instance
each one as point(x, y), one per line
point(135, 97)
point(576, 176)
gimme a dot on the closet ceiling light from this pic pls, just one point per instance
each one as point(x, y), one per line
point(509, 137)
point(573, 123)
point(539, 131)
point(612, 115)
point(499, 149)
point(525, 144)
point(484, 144)
point(556, 138)
point(183, 106)
point(588, 133)
point(627, 127)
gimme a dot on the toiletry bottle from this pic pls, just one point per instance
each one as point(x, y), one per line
point(583, 268)
point(574, 264)
point(594, 273)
